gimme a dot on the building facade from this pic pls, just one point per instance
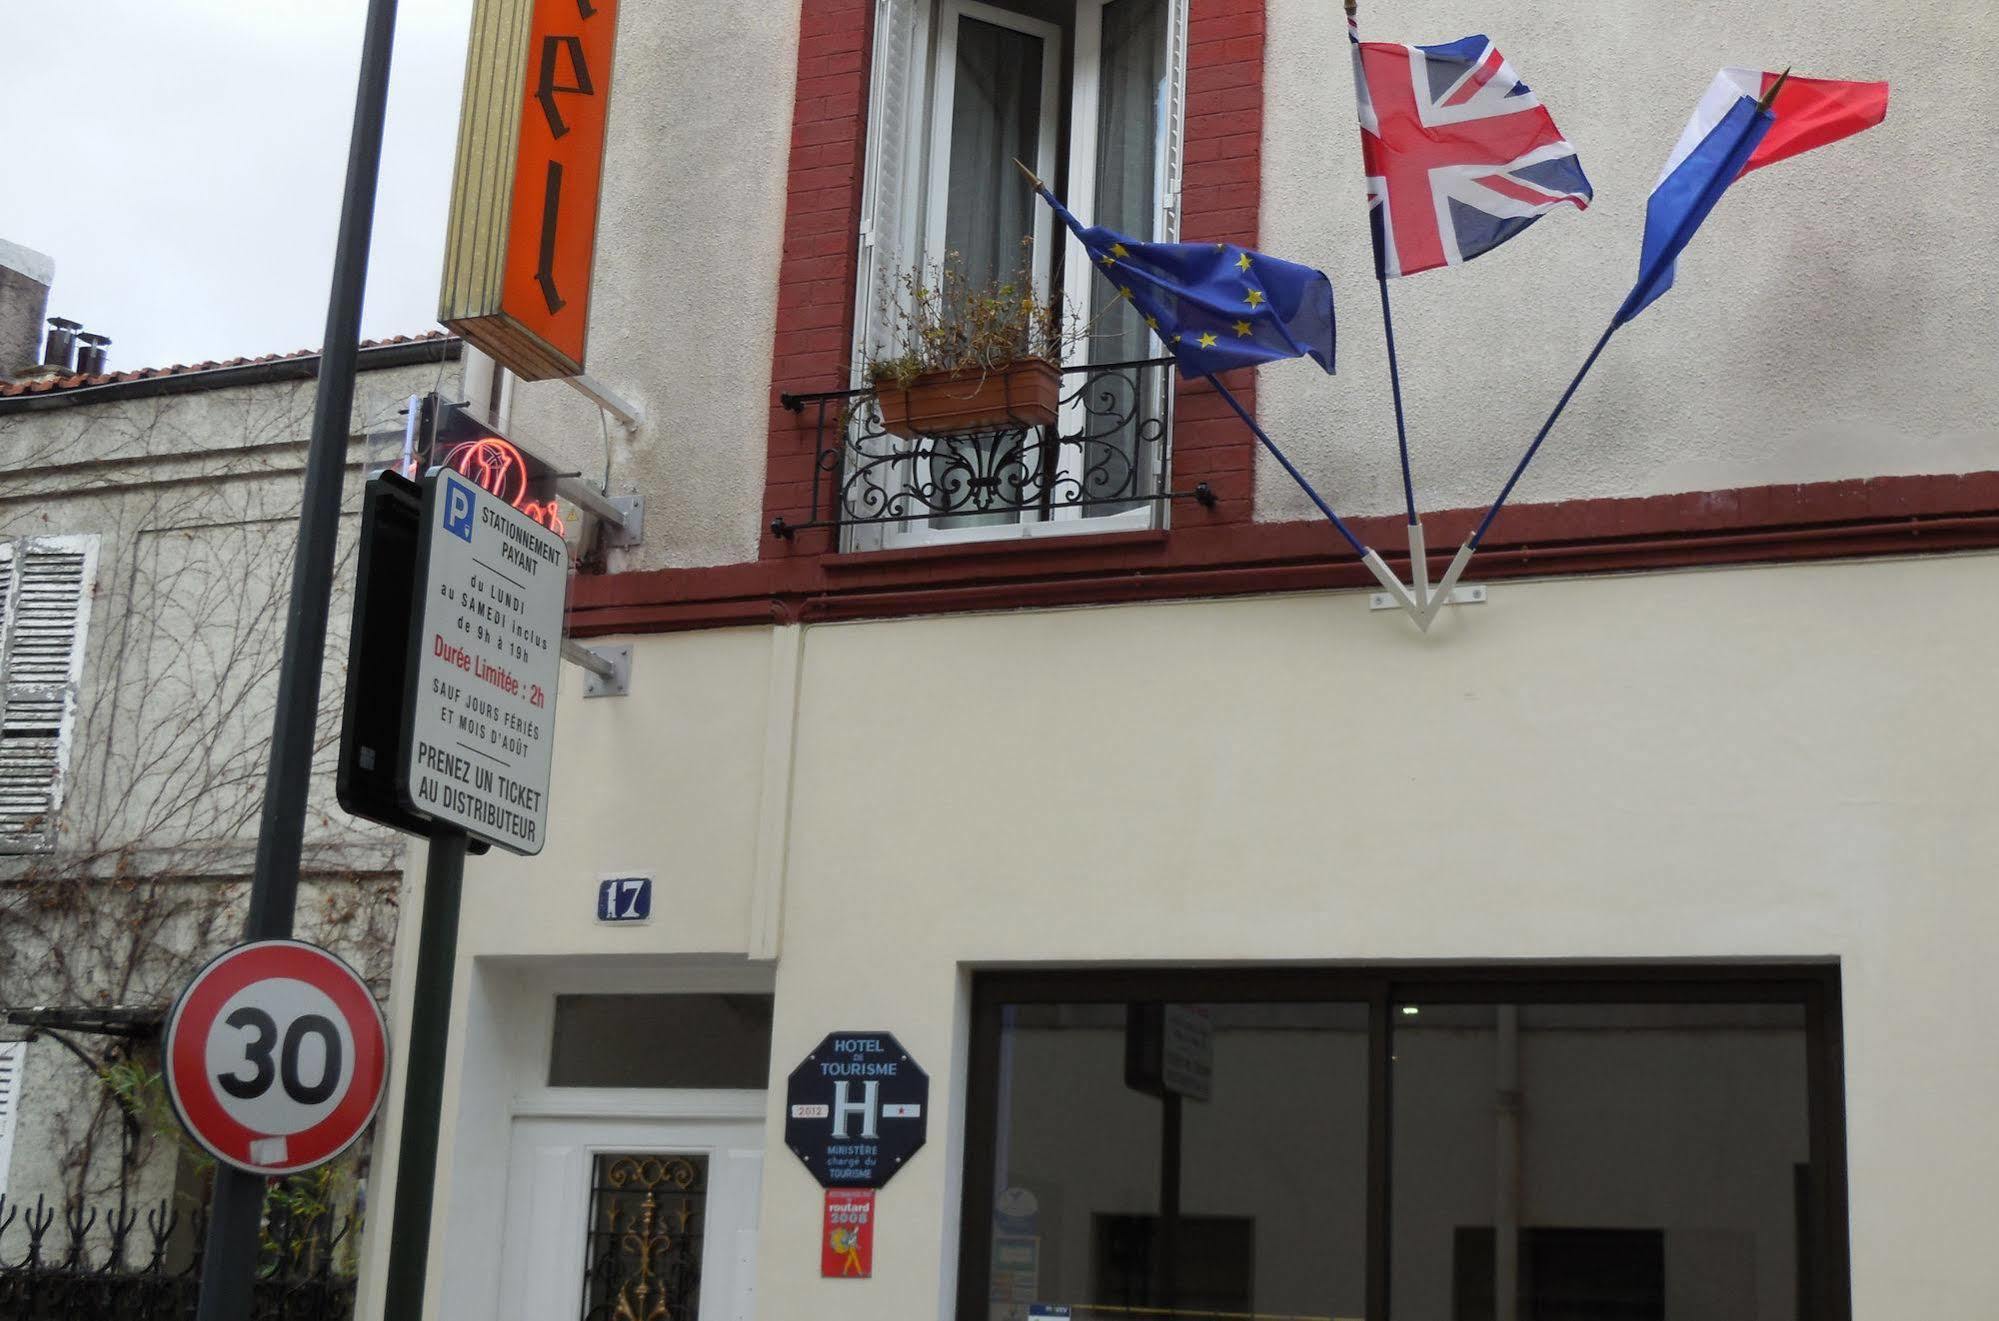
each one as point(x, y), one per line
point(1613, 949)
point(147, 524)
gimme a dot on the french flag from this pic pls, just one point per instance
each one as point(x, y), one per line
point(1745, 121)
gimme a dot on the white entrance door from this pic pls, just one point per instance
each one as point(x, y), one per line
point(631, 1217)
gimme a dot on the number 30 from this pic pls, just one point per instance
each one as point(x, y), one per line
point(258, 1054)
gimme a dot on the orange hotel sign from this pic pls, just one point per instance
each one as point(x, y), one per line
point(522, 233)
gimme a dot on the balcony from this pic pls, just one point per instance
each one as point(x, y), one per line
point(1107, 453)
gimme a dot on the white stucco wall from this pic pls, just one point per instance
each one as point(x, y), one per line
point(684, 298)
point(1740, 764)
point(1833, 319)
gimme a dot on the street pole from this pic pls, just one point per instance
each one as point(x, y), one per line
point(423, 1074)
point(229, 1260)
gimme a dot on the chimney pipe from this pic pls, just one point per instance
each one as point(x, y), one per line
point(60, 354)
point(90, 355)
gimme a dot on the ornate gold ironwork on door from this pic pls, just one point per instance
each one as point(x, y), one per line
point(643, 1256)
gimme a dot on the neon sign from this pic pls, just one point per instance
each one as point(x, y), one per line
point(498, 467)
point(454, 439)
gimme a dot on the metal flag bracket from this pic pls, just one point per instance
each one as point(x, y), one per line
point(1391, 585)
point(1420, 599)
point(1469, 594)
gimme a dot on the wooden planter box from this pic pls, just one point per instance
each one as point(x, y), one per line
point(1026, 393)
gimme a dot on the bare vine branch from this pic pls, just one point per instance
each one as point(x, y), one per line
point(193, 501)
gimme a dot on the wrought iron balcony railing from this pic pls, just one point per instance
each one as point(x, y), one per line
point(1108, 451)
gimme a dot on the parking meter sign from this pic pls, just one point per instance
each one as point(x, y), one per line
point(479, 737)
point(458, 509)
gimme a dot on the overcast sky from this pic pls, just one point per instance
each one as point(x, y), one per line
point(181, 161)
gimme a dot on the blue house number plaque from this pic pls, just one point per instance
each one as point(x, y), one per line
point(624, 899)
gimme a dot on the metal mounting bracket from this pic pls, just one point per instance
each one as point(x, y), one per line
point(630, 416)
point(1469, 595)
point(623, 516)
point(630, 529)
point(607, 671)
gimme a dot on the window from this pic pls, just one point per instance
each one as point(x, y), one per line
point(642, 1254)
point(1088, 93)
point(45, 591)
point(1621, 1144)
point(696, 1040)
point(13, 1059)
point(1613, 1161)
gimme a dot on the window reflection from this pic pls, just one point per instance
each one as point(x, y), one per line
point(1598, 1163)
point(1172, 1159)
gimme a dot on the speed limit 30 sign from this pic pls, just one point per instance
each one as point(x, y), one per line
point(276, 1057)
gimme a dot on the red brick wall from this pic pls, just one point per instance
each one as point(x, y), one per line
point(1223, 154)
point(1219, 204)
point(822, 217)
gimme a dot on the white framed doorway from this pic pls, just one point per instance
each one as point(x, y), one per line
point(562, 1061)
point(617, 1214)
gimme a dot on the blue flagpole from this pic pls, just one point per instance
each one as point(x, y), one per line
point(1395, 385)
point(1388, 325)
point(1289, 467)
point(1466, 551)
point(1419, 553)
point(1375, 565)
point(1541, 435)
point(1647, 281)
point(1241, 412)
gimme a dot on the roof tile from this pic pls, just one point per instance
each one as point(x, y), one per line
point(78, 381)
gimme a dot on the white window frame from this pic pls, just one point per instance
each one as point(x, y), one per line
point(13, 1066)
point(943, 101)
point(936, 201)
point(13, 553)
point(925, 120)
point(899, 91)
point(1079, 272)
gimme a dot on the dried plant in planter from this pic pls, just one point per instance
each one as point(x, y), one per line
point(968, 356)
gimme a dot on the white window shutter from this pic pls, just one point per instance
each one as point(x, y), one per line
point(49, 582)
point(13, 1056)
point(892, 177)
point(1173, 141)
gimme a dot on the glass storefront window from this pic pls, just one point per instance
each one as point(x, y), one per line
point(1154, 1159)
point(1624, 1144)
point(1607, 1162)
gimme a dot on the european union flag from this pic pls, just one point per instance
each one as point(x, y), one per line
point(1215, 306)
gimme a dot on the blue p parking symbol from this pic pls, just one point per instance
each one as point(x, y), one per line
point(458, 509)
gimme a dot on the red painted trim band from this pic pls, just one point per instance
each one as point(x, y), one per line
point(1750, 525)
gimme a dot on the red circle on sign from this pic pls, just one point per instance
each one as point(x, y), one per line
point(238, 975)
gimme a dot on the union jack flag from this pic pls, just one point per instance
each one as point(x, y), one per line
point(1460, 154)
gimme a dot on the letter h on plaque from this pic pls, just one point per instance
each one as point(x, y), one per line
point(868, 1108)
